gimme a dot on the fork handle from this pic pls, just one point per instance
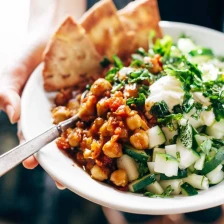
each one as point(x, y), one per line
point(16, 155)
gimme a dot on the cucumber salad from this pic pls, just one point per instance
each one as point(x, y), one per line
point(155, 124)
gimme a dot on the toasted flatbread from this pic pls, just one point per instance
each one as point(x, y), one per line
point(141, 17)
point(70, 57)
point(105, 29)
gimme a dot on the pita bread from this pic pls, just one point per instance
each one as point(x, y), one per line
point(141, 17)
point(105, 29)
point(70, 58)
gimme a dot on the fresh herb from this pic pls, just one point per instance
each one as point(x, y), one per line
point(159, 109)
point(163, 46)
point(110, 75)
point(88, 86)
point(138, 101)
point(177, 109)
point(143, 92)
point(188, 102)
point(117, 86)
point(105, 62)
point(117, 62)
point(167, 192)
point(201, 51)
point(169, 120)
point(142, 169)
point(141, 51)
point(139, 75)
point(186, 135)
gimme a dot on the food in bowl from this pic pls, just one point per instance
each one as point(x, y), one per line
point(153, 122)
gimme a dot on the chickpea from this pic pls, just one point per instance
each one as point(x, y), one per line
point(63, 97)
point(102, 107)
point(156, 67)
point(103, 130)
point(112, 149)
point(59, 114)
point(96, 147)
point(100, 86)
point(119, 178)
point(87, 108)
point(99, 173)
point(130, 90)
point(140, 139)
point(75, 137)
point(134, 122)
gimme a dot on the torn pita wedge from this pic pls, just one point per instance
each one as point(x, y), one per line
point(105, 29)
point(70, 57)
point(141, 17)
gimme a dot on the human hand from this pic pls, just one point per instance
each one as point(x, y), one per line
point(45, 18)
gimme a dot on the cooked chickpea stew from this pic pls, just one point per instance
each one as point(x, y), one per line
point(150, 125)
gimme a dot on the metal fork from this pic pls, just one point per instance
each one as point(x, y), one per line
point(16, 155)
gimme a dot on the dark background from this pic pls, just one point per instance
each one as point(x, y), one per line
point(31, 196)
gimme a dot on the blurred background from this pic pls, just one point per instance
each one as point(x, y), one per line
point(31, 196)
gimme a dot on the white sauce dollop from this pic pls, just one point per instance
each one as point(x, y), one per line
point(168, 89)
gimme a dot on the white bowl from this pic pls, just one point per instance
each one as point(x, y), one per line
point(36, 117)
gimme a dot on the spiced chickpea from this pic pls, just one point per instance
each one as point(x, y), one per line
point(59, 114)
point(100, 86)
point(87, 110)
point(134, 122)
point(99, 173)
point(75, 137)
point(119, 178)
point(140, 139)
point(112, 149)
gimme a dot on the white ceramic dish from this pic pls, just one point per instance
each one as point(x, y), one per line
point(36, 117)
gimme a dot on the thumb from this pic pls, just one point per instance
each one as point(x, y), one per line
point(15, 75)
point(10, 101)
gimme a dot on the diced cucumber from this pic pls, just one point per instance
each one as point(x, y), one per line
point(208, 117)
point(188, 190)
point(141, 183)
point(156, 137)
point(155, 151)
point(181, 174)
point(175, 185)
point(187, 156)
point(138, 155)
point(151, 166)
point(195, 122)
point(155, 188)
point(216, 130)
point(166, 164)
point(185, 45)
point(128, 164)
point(197, 181)
point(213, 163)
point(217, 178)
point(171, 150)
point(200, 163)
point(168, 134)
point(191, 168)
point(200, 138)
point(216, 175)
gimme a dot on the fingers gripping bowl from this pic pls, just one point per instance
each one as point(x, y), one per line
point(59, 166)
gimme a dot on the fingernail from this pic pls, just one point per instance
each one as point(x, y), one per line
point(59, 186)
point(10, 111)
